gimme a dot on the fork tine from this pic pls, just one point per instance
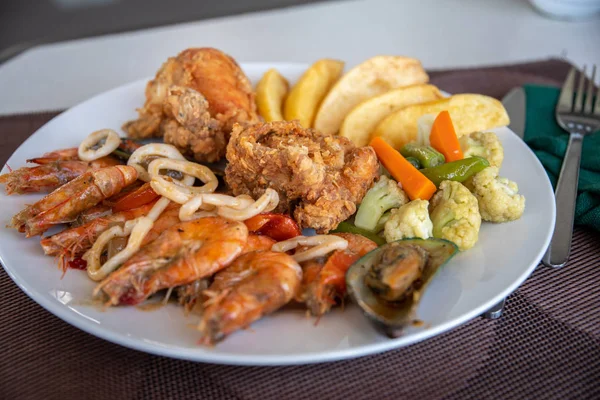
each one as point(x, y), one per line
point(589, 94)
point(578, 105)
point(565, 101)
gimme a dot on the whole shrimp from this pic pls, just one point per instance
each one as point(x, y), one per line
point(183, 253)
point(74, 242)
point(55, 169)
point(254, 285)
point(190, 295)
point(324, 279)
point(66, 202)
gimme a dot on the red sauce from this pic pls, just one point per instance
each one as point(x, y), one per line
point(129, 298)
point(78, 263)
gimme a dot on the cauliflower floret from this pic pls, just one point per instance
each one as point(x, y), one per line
point(455, 215)
point(384, 195)
point(409, 221)
point(498, 198)
point(483, 144)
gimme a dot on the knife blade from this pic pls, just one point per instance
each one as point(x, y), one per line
point(515, 105)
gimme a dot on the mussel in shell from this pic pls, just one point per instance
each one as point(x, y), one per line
point(388, 282)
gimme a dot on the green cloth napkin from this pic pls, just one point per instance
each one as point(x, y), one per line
point(549, 142)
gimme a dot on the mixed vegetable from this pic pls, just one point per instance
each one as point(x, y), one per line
point(439, 186)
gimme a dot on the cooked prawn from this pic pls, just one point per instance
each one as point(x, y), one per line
point(325, 278)
point(66, 202)
point(77, 240)
point(257, 243)
point(190, 295)
point(91, 214)
point(50, 175)
point(254, 285)
point(73, 243)
point(180, 255)
point(106, 207)
point(57, 168)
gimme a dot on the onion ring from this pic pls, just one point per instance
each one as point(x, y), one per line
point(111, 143)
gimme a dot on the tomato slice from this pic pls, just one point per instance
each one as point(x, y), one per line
point(277, 226)
point(143, 195)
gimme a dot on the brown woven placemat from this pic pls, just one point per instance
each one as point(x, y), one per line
point(546, 345)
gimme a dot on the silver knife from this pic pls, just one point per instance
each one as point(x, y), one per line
point(515, 105)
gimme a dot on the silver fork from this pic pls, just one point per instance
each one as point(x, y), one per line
point(576, 114)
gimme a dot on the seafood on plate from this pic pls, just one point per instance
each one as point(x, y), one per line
point(181, 254)
point(191, 296)
point(388, 283)
point(254, 285)
point(146, 220)
point(56, 168)
point(324, 280)
point(73, 243)
point(66, 202)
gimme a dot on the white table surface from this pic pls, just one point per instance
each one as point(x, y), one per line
point(442, 34)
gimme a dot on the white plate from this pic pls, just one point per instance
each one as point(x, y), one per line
point(470, 284)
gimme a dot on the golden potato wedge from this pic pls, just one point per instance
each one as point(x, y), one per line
point(362, 120)
point(270, 95)
point(469, 113)
point(371, 78)
point(307, 94)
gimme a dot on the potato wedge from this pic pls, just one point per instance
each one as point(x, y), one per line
point(362, 120)
point(307, 94)
point(469, 112)
point(270, 95)
point(371, 78)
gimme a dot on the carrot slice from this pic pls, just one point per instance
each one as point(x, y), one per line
point(415, 184)
point(443, 137)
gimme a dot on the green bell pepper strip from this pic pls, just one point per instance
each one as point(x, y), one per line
point(458, 171)
point(428, 156)
point(122, 154)
point(347, 227)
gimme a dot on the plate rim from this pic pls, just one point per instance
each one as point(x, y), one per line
point(80, 322)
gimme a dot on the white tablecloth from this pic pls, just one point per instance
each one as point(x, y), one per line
point(443, 33)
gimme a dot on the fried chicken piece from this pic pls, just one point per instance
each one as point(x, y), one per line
point(189, 125)
point(226, 95)
point(319, 177)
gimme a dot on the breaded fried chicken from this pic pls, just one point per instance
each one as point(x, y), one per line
point(225, 95)
point(320, 178)
point(189, 126)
